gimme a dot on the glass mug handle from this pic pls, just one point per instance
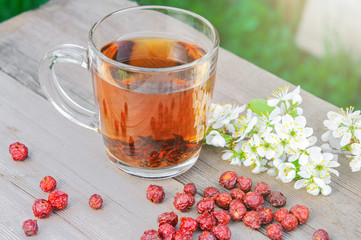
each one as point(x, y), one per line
point(66, 53)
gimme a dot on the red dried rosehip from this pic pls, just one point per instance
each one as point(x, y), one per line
point(237, 194)
point(253, 200)
point(274, 231)
point(223, 200)
point(206, 221)
point(244, 183)
point(58, 199)
point(228, 179)
point(206, 236)
point(188, 224)
point(222, 232)
point(205, 205)
point(183, 201)
point(301, 213)
point(30, 227)
point(281, 214)
point(190, 188)
point(320, 234)
point(166, 231)
point(222, 217)
point(262, 188)
point(183, 235)
point(266, 215)
point(168, 217)
point(277, 199)
point(18, 151)
point(290, 222)
point(237, 210)
point(211, 192)
point(47, 184)
point(95, 201)
point(155, 193)
point(252, 219)
point(42, 208)
point(150, 235)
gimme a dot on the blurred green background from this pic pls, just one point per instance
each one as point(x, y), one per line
point(263, 32)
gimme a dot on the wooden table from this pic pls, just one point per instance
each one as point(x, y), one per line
point(76, 158)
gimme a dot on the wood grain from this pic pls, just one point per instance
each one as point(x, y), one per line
point(76, 156)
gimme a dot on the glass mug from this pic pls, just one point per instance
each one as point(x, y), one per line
point(153, 71)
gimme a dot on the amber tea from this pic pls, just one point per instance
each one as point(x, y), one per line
point(152, 120)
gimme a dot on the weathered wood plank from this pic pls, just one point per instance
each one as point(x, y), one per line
point(76, 157)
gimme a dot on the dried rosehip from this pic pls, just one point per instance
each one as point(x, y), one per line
point(253, 200)
point(301, 213)
point(58, 199)
point(252, 219)
point(183, 235)
point(30, 227)
point(183, 201)
point(206, 236)
point(274, 231)
point(228, 179)
point(155, 193)
point(244, 183)
point(237, 210)
point(222, 217)
point(266, 215)
point(95, 201)
point(168, 217)
point(211, 192)
point(188, 224)
point(150, 235)
point(166, 231)
point(223, 200)
point(42, 208)
point(320, 234)
point(205, 205)
point(190, 188)
point(18, 151)
point(290, 222)
point(277, 199)
point(47, 184)
point(237, 194)
point(263, 188)
point(281, 214)
point(222, 232)
point(206, 221)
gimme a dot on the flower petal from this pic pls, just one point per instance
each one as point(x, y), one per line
point(326, 190)
point(346, 138)
point(300, 183)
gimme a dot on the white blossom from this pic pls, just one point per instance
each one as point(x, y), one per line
point(259, 165)
point(314, 186)
point(266, 121)
point(221, 115)
point(344, 126)
point(215, 138)
point(355, 163)
point(302, 154)
point(250, 150)
point(270, 147)
point(234, 156)
point(320, 166)
point(286, 172)
point(283, 96)
point(242, 126)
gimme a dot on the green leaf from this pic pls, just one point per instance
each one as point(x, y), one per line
point(259, 106)
point(347, 147)
point(293, 113)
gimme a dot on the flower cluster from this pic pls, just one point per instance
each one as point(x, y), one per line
point(344, 133)
point(272, 136)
